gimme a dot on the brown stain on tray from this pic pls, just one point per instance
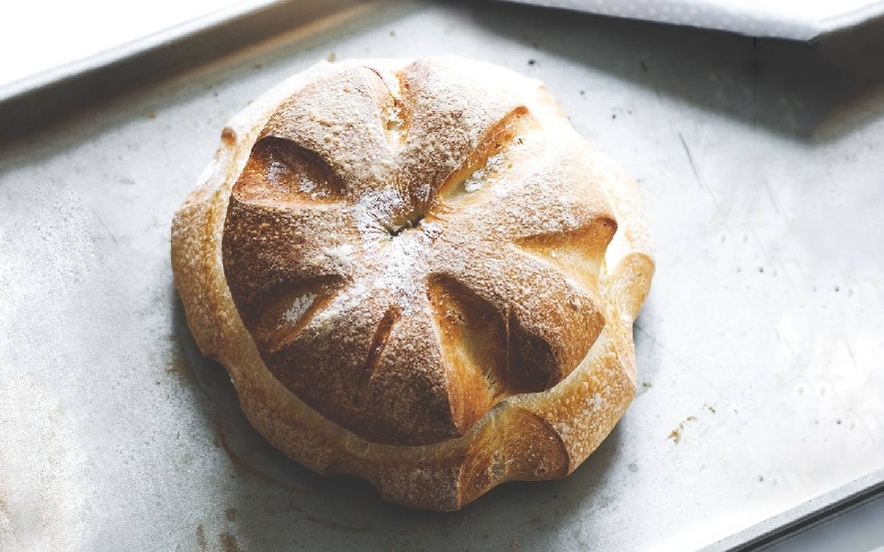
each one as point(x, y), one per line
point(201, 538)
point(243, 465)
point(181, 370)
point(228, 543)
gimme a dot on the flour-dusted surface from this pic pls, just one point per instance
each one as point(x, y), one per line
point(453, 299)
point(760, 335)
point(453, 352)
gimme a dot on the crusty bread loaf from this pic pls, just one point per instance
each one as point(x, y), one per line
point(418, 273)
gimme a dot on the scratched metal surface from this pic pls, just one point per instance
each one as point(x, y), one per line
point(759, 349)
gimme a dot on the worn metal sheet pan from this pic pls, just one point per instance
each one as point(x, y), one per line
point(761, 399)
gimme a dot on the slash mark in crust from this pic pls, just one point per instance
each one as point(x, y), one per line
point(378, 343)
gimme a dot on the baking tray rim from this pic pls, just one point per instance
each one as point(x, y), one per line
point(29, 92)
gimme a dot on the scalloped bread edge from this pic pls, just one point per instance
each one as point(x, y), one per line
point(527, 437)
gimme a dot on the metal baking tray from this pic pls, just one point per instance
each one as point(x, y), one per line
point(761, 392)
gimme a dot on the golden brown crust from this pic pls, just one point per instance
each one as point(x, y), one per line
point(501, 350)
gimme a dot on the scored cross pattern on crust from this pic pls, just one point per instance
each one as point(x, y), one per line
point(406, 257)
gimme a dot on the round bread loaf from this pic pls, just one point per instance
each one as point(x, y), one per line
point(415, 271)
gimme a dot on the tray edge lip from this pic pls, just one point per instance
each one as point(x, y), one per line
point(116, 54)
point(798, 519)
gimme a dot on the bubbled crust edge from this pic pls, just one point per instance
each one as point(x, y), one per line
point(527, 437)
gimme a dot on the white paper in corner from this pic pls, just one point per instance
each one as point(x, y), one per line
point(792, 19)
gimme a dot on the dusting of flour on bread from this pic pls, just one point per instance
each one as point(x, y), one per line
point(435, 308)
